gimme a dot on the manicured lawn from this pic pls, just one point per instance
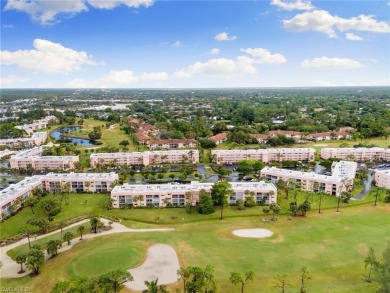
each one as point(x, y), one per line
point(332, 245)
point(378, 141)
point(107, 255)
point(317, 145)
point(77, 205)
point(110, 136)
point(42, 242)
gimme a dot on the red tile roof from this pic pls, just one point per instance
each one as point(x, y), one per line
point(218, 136)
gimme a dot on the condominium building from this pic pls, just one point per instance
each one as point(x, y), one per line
point(356, 154)
point(145, 158)
point(172, 144)
point(382, 178)
point(14, 195)
point(37, 124)
point(341, 180)
point(264, 155)
point(178, 195)
point(80, 182)
point(6, 153)
point(38, 138)
point(33, 159)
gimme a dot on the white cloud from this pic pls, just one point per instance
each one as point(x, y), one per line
point(117, 78)
point(154, 76)
point(177, 44)
point(11, 79)
point(293, 5)
point(47, 12)
point(50, 12)
point(323, 21)
point(48, 57)
point(353, 37)
point(224, 37)
point(220, 67)
point(214, 51)
point(261, 56)
point(334, 63)
point(110, 4)
point(318, 20)
point(7, 26)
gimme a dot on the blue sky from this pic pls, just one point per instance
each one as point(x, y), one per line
point(181, 44)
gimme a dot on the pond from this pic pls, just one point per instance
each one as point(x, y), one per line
point(62, 133)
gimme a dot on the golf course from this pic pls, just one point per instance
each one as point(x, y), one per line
point(332, 245)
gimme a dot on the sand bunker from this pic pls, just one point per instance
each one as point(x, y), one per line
point(253, 233)
point(161, 263)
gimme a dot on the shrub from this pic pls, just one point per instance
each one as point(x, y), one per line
point(250, 202)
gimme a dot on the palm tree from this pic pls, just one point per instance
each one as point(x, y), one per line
point(320, 194)
point(275, 208)
point(94, 220)
point(185, 274)
point(21, 259)
point(62, 225)
point(153, 287)
point(81, 229)
point(68, 237)
point(370, 260)
point(118, 277)
point(65, 189)
point(238, 278)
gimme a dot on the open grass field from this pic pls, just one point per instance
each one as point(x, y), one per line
point(84, 204)
point(110, 136)
point(378, 141)
point(76, 205)
point(318, 145)
point(332, 245)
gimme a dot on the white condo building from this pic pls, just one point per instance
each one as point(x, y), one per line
point(37, 139)
point(54, 182)
point(37, 124)
point(356, 154)
point(264, 155)
point(343, 174)
point(145, 158)
point(382, 178)
point(177, 195)
point(33, 159)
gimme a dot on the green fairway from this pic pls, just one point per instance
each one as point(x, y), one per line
point(332, 245)
point(84, 204)
point(317, 145)
point(105, 256)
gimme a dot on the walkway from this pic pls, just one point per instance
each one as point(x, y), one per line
point(10, 268)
